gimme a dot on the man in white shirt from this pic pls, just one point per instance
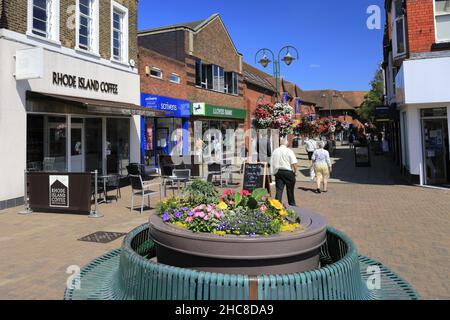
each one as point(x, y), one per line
point(284, 168)
point(310, 146)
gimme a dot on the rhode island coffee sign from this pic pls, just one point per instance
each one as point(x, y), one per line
point(59, 191)
point(82, 83)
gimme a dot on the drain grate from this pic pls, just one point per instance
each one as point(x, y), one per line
point(102, 237)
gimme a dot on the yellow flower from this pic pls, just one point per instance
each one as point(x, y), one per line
point(222, 206)
point(180, 225)
point(276, 204)
point(290, 227)
point(283, 213)
point(219, 233)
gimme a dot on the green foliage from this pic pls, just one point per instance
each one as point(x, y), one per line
point(373, 99)
point(259, 194)
point(201, 192)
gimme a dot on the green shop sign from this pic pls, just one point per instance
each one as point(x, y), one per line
point(206, 110)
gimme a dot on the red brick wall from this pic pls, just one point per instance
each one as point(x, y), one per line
point(167, 65)
point(252, 97)
point(420, 25)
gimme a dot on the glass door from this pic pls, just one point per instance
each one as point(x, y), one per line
point(436, 151)
point(77, 145)
point(94, 144)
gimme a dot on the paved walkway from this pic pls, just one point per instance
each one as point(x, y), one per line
point(405, 227)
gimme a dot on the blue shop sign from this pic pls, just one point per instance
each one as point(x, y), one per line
point(175, 107)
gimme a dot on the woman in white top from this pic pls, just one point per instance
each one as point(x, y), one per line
point(322, 166)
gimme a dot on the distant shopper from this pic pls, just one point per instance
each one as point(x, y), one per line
point(310, 146)
point(322, 167)
point(351, 140)
point(284, 168)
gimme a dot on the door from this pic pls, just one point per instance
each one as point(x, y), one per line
point(77, 146)
point(436, 153)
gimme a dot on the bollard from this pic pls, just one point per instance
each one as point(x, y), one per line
point(95, 214)
point(26, 204)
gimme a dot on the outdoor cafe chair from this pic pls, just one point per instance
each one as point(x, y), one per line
point(141, 189)
point(113, 182)
point(215, 170)
point(178, 176)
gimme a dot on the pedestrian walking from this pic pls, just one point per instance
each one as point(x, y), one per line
point(351, 140)
point(310, 146)
point(284, 168)
point(322, 167)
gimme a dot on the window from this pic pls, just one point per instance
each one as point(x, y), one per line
point(174, 78)
point(399, 28)
point(88, 25)
point(442, 14)
point(213, 77)
point(156, 73)
point(119, 27)
point(43, 19)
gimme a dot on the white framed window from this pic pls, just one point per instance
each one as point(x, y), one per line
point(156, 73)
point(442, 20)
point(398, 28)
point(119, 32)
point(43, 19)
point(174, 78)
point(88, 25)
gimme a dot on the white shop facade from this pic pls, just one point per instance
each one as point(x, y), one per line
point(423, 97)
point(62, 111)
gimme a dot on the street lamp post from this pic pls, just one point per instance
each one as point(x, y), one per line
point(288, 59)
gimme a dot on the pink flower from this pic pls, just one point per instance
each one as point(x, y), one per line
point(228, 192)
point(189, 219)
point(231, 203)
point(218, 215)
point(199, 215)
point(245, 193)
point(263, 208)
point(206, 218)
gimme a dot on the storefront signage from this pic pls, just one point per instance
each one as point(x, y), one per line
point(59, 191)
point(29, 64)
point(174, 107)
point(75, 82)
point(206, 110)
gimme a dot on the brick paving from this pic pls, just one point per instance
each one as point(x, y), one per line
point(405, 227)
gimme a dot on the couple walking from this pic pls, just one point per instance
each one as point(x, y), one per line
point(321, 166)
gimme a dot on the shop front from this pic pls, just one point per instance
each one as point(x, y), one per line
point(166, 135)
point(222, 130)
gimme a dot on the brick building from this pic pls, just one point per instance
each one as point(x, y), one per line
point(163, 87)
point(69, 89)
point(417, 64)
point(213, 72)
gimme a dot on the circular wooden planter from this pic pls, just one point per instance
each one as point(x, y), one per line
point(278, 254)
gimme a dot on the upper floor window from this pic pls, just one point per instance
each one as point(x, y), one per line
point(88, 25)
point(43, 19)
point(119, 27)
point(156, 73)
point(399, 41)
point(213, 77)
point(174, 78)
point(442, 14)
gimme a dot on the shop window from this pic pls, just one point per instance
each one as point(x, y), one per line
point(119, 27)
point(43, 19)
point(174, 78)
point(117, 145)
point(88, 25)
point(442, 15)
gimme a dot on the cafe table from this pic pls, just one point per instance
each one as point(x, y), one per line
point(105, 179)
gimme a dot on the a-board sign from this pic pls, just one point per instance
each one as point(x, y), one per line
point(256, 176)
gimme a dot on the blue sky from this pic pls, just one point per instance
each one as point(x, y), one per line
point(337, 50)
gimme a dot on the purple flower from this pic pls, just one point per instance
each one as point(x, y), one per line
point(178, 215)
point(191, 213)
point(166, 217)
point(184, 208)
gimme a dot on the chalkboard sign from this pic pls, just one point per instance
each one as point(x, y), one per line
point(255, 176)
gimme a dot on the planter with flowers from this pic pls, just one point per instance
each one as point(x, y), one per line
point(237, 233)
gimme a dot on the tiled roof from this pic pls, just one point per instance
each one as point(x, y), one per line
point(257, 77)
point(194, 25)
point(342, 100)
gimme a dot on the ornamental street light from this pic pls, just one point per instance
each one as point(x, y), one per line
point(288, 59)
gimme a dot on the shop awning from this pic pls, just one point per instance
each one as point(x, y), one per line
point(101, 106)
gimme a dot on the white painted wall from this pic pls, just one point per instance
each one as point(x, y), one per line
point(13, 114)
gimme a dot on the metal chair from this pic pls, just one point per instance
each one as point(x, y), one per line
point(214, 170)
point(141, 189)
point(179, 176)
point(114, 183)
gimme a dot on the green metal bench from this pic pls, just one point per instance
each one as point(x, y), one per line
point(130, 273)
